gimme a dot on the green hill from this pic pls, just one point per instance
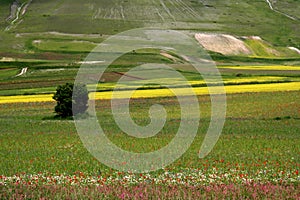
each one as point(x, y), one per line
point(25, 21)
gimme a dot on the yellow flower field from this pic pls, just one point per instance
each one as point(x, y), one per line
point(272, 87)
point(256, 79)
point(26, 98)
point(271, 67)
point(202, 90)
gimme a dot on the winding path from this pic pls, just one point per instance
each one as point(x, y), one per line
point(23, 9)
point(23, 71)
point(270, 4)
point(272, 8)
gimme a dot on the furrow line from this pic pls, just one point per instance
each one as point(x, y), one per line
point(167, 10)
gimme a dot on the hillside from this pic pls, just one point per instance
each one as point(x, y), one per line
point(110, 17)
point(251, 46)
point(59, 33)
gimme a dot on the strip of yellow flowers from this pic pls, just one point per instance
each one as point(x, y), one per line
point(258, 67)
point(272, 87)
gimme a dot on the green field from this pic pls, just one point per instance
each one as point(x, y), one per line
point(257, 137)
point(257, 155)
point(253, 133)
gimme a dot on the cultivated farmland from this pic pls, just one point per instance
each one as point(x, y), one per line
point(253, 44)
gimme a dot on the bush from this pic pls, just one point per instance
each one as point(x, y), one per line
point(68, 96)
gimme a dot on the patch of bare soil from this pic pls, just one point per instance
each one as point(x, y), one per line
point(222, 43)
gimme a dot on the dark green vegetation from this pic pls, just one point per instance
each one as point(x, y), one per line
point(261, 130)
point(71, 99)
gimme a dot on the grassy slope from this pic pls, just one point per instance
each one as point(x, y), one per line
point(261, 48)
point(285, 6)
point(110, 17)
point(106, 17)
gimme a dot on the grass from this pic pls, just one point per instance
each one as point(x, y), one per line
point(104, 18)
point(57, 148)
point(263, 49)
point(8, 73)
point(146, 191)
point(64, 46)
point(255, 148)
point(257, 155)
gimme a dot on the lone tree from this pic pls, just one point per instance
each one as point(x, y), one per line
point(68, 96)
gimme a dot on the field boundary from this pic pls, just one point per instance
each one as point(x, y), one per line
point(230, 89)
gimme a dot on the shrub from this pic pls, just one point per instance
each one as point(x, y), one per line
point(68, 96)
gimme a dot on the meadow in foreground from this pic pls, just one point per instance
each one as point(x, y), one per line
point(256, 157)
